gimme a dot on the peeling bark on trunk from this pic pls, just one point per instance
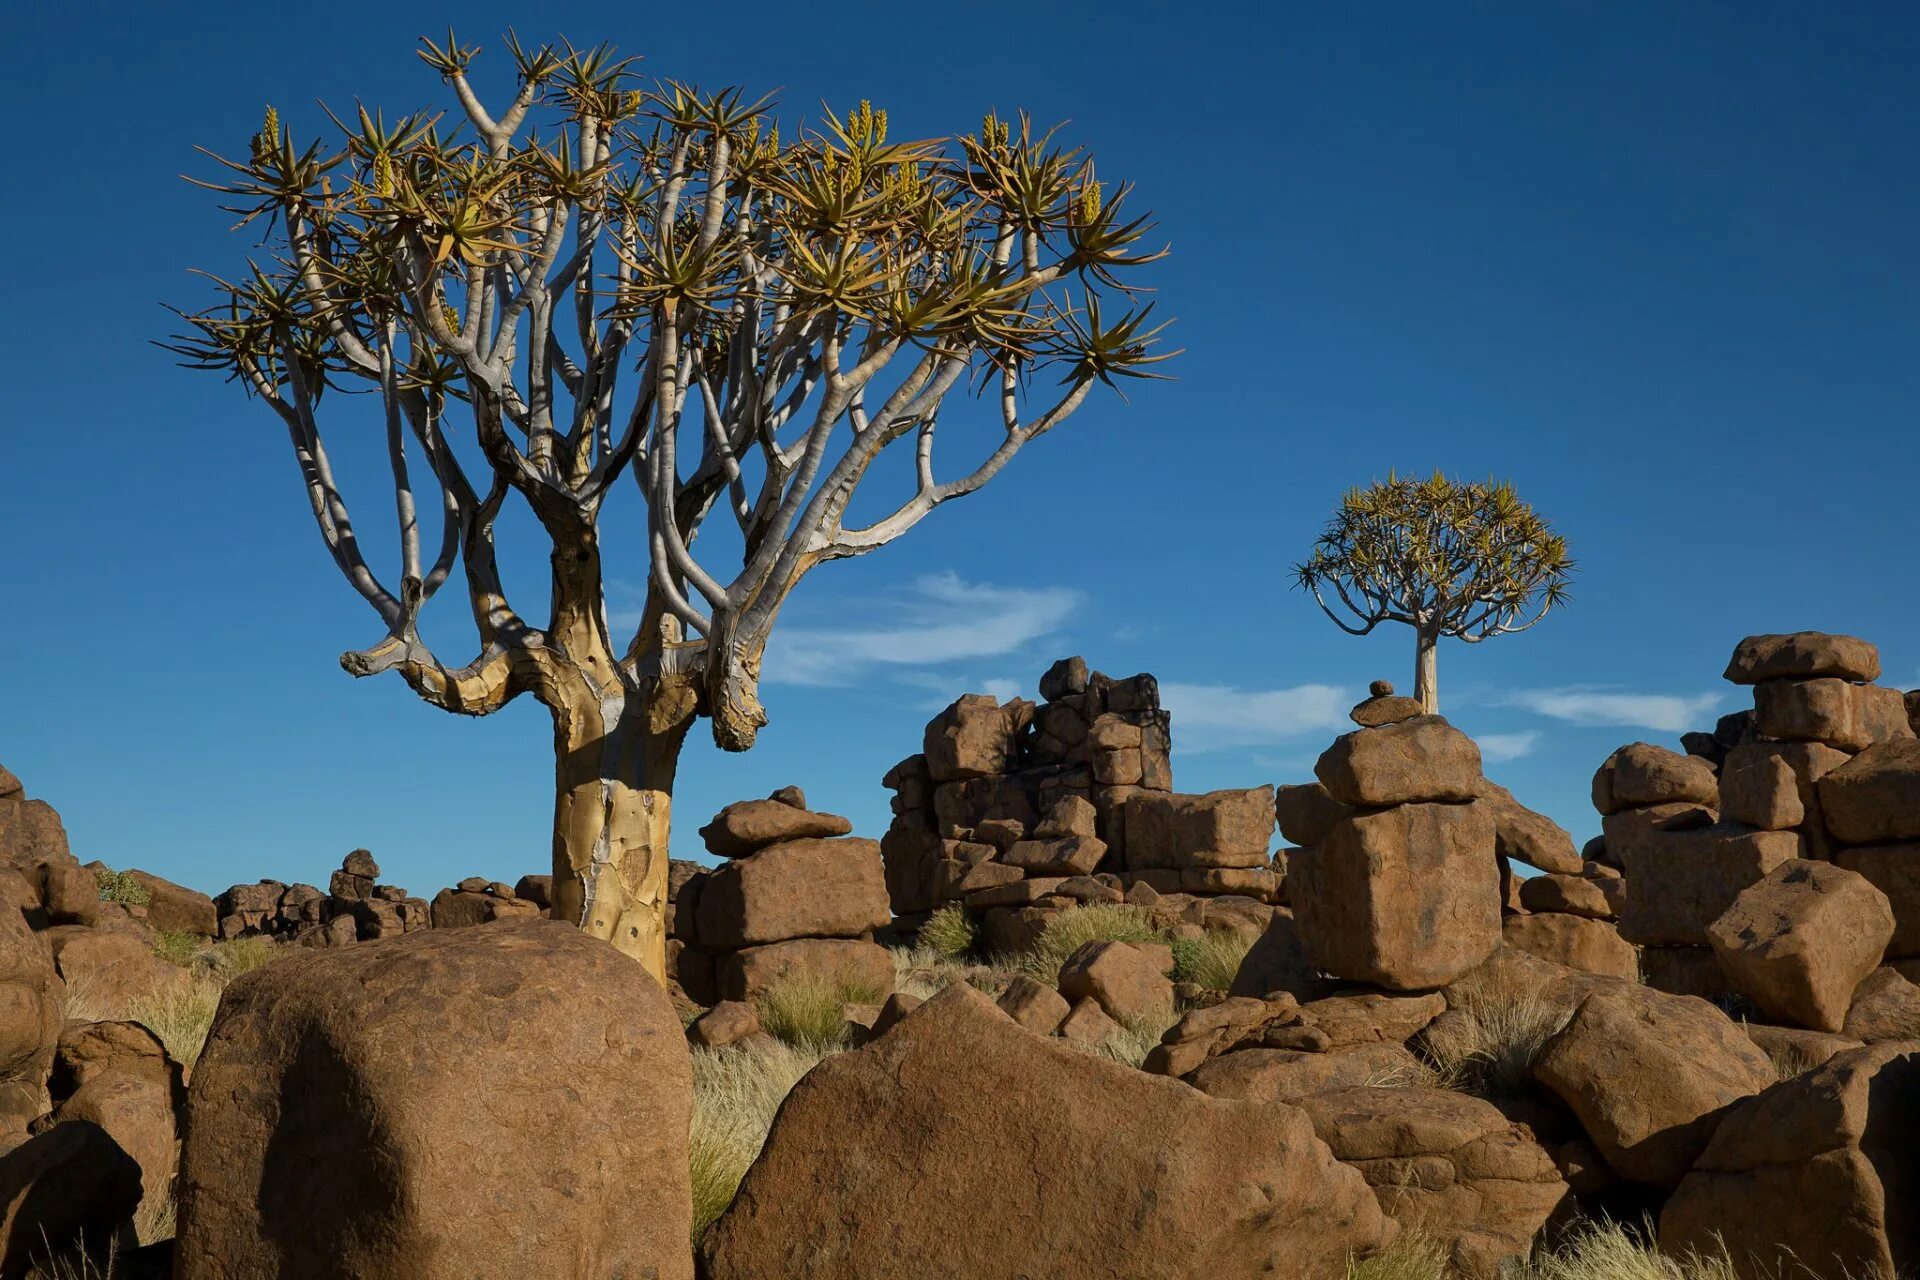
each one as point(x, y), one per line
point(1426, 672)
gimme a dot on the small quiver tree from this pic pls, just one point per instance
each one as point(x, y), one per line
point(604, 280)
point(1462, 560)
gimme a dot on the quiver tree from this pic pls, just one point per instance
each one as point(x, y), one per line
point(1462, 560)
point(602, 280)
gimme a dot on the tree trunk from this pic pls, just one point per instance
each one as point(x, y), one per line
point(1426, 672)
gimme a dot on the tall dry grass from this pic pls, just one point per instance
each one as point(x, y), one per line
point(1067, 932)
point(1487, 1043)
point(1591, 1251)
point(807, 1011)
point(736, 1093)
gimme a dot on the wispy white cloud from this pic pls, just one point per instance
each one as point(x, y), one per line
point(1002, 689)
point(1498, 747)
point(938, 618)
point(1213, 717)
point(1594, 705)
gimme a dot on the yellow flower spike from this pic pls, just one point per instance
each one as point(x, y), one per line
point(450, 317)
point(270, 130)
point(382, 174)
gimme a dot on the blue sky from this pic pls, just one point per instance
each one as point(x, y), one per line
point(1654, 264)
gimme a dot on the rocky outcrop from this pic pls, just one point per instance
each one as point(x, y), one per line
point(1800, 940)
point(1204, 1187)
point(354, 907)
point(474, 1102)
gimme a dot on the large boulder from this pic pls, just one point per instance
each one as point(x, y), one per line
point(972, 738)
point(1649, 1076)
point(1447, 1166)
point(1799, 941)
point(1216, 829)
point(1851, 717)
point(1679, 882)
point(1127, 981)
point(1415, 761)
point(1287, 1075)
point(747, 826)
point(1886, 1007)
point(69, 1188)
point(833, 888)
point(861, 967)
point(1893, 869)
point(1774, 785)
point(1525, 836)
point(1590, 896)
point(1874, 798)
point(503, 1101)
point(112, 971)
point(1406, 898)
point(1306, 813)
point(1802, 655)
point(1277, 960)
point(1575, 942)
point(1819, 1172)
point(118, 1075)
point(1028, 1157)
point(1640, 775)
point(174, 908)
point(32, 1000)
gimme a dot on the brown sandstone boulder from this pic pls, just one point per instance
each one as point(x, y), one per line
point(1127, 980)
point(1802, 655)
point(1680, 882)
point(1685, 971)
point(1576, 942)
point(1371, 1017)
point(1893, 869)
point(1640, 775)
point(1886, 1006)
point(1819, 1172)
point(1384, 709)
point(460, 908)
point(453, 1103)
point(1416, 761)
point(1649, 1076)
point(1203, 1188)
point(1575, 895)
point(176, 909)
point(1874, 798)
point(117, 1075)
point(1851, 717)
point(1034, 1005)
point(748, 826)
point(728, 1022)
point(866, 967)
point(972, 738)
point(1067, 856)
point(1218, 829)
point(1799, 941)
point(800, 889)
point(32, 999)
point(71, 1187)
point(1306, 813)
point(1446, 1165)
point(1525, 836)
point(1406, 898)
point(1287, 1075)
point(1277, 961)
point(112, 970)
point(1088, 1024)
point(1795, 1050)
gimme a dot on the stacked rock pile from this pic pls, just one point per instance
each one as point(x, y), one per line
point(354, 908)
point(1019, 811)
point(796, 897)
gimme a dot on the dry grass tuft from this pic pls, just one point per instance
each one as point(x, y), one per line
point(1411, 1256)
point(1067, 932)
point(950, 932)
point(1495, 1032)
point(241, 955)
point(178, 946)
point(736, 1093)
point(181, 1016)
point(807, 1011)
point(1135, 1039)
point(1594, 1251)
point(1213, 960)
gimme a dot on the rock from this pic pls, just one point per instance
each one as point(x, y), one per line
point(1818, 1173)
point(1405, 898)
point(1204, 1187)
point(1851, 717)
point(1575, 942)
point(1886, 1006)
point(728, 1022)
point(1068, 856)
point(1446, 1165)
point(1649, 1076)
point(1306, 813)
point(1874, 798)
point(1794, 1050)
point(1416, 761)
point(1680, 882)
point(970, 739)
point(539, 890)
point(1000, 833)
point(1639, 775)
point(70, 1187)
point(1034, 1005)
point(1371, 1017)
point(1277, 961)
point(1068, 817)
point(801, 889)
point(1893, 869)
point(748, 826)
point(1218, 829)
point(1799, 941)
point(464, 908)
point(790, 795)
point(1685, 971)
point(1066, 678)
point(32, 1001)
point(1088, 1024)
point(115, 969)
point(1017, 893)
point(1572, 894)
point(473, 1101)
point(860, 966)
point(1378, 710)
point(1759, 788)
point(1525, 836)
point(1632, 831)
point(1201, 1033)
point(174, 908)
point(898, 1006)
point(1128, 981)
point(117, 1075)
point(1287, 1075)
point(1801, 655)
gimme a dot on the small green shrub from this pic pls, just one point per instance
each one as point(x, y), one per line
point(178, 946)
point(806, 1011)
point(120, 887)
point(950, 932)
point(1067, 932)
point(1211, 961)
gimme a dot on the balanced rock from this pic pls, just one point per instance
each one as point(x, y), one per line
point(1306, 813)
point(1217, 829)
point(439, 1087)
point(748, 826)
point(1203, 1187)
point(812, 888)
point(1802, 655)
point(1639, 775)
point(1817, 1173)
point(1649, 1075)
point(1446, 1165)
point(1798, 942)
point(1384, 709)
point(1573, 894)
point(1406, 898)
point(1525, 836)
point(1414, 761)
point(1851, 717)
